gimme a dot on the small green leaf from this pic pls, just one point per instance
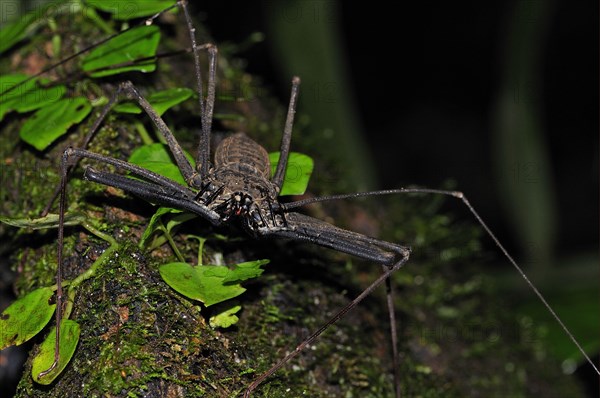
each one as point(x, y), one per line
point(69, 337)
point(124, 10)
point(210, 284)
point(53, 121)
point(161, 101)
point(225, 318)
point(297, 173)
point(24, 318)
point(125, 53)
point(448, 312)
point(157, 158)
point(244, 271)
point(154, 223)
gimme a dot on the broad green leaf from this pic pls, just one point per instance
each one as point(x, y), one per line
point(9, 98)
point(161, 101)
point(69, 337)
point(297, 173)
point(38, 98)
point(26, 96)
point(121, 53)
point(157, 158)
point(49, 221)
point(225, 318)
point(51, 122)
point(210, 284)
point(16, 30)
point(178, 220)
point(124, 10)
point(11, 80)
point(24, 318)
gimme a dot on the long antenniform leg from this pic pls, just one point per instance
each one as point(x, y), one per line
point(463, 198)
point(392, 256)
point(384, 277)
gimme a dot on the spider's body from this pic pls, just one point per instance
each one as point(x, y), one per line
point(239, 185)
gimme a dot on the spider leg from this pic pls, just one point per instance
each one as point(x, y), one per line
point(189, 174)
point(206, 105)
point(182, 199)
point(461, 196)
point(390, 255)
point(131, 92)
point(284, 150)
point(157, 189)
point(302, 227)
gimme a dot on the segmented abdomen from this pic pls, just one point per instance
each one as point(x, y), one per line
point(240, 152)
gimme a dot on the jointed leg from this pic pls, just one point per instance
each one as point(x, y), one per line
point(463, 198)
point(206, 106)
point(159, 189)
point(335, 318)
point(131, 92)
point(287, 135)
point(392, 256)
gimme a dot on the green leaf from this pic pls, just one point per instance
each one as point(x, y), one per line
point(124, 10)
point(10, 99)
point(26, 96)
point(297, 173)
point(210, 284)
point(35, 99)
point(16, 30)
point(24, 318)
point(53, 121)
point(154, 223)
point(225, 318)
point(161, 101)
point(121, 53)
point(49, 221)
point(9, 81)
point(157, 158)
point(69, 337)
point(244, 271)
